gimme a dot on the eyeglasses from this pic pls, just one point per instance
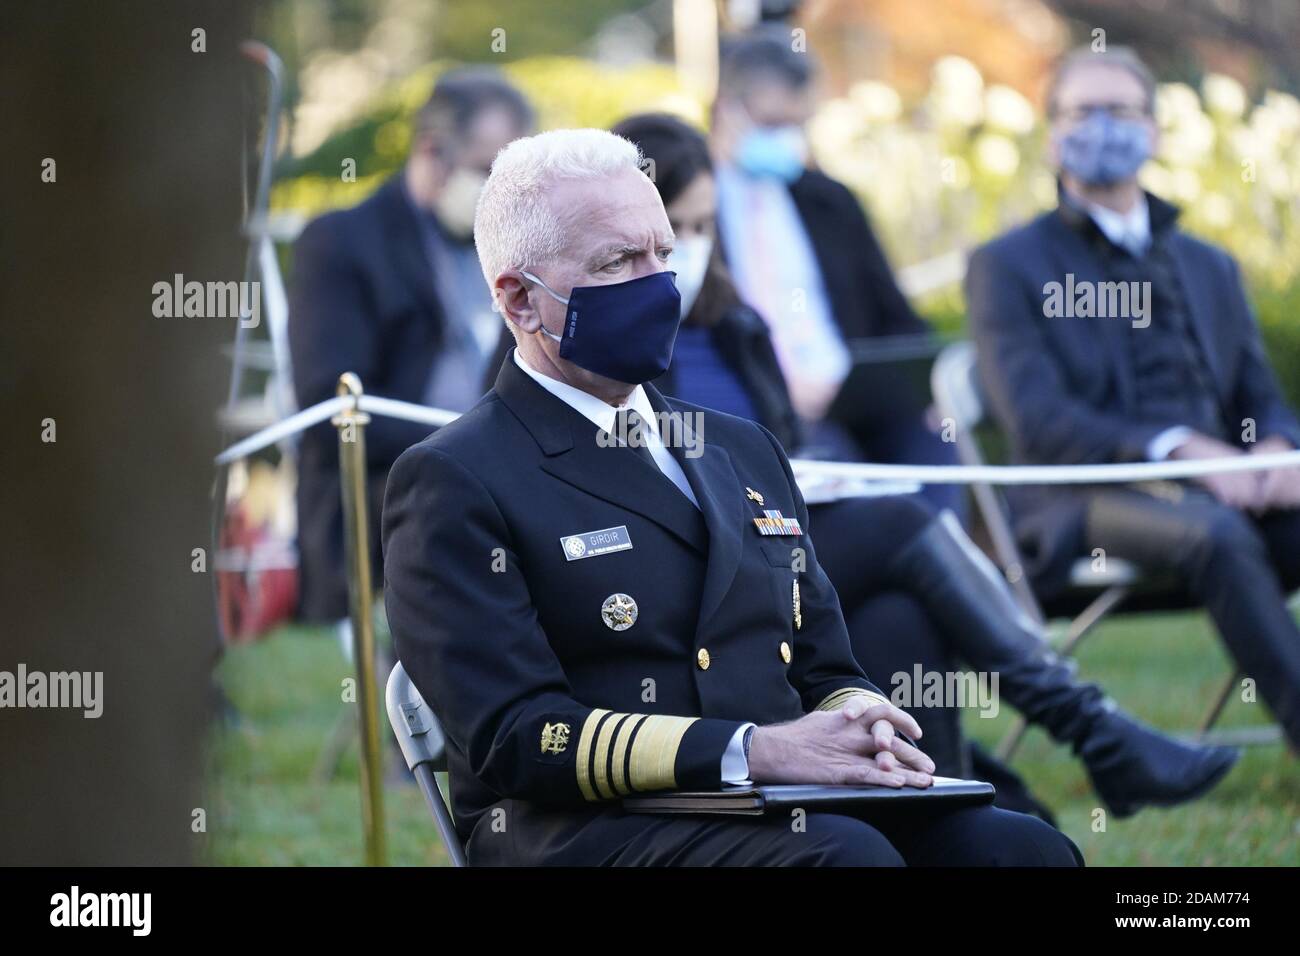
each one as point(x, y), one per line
point(1126, 111)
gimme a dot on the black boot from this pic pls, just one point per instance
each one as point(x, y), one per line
point(1131, 765)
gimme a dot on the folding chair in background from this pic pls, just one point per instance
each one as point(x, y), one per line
point(1093, 593)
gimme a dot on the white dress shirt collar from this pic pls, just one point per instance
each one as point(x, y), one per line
point(1130, 230)
point(599, 413)
point(603, 416)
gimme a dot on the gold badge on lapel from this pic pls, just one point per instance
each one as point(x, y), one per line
point(798, 608)
point(753, 495)
point(555, 737)
point(618, 612)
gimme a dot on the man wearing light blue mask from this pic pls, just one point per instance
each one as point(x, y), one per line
point(804, 257)
point(1107, 334)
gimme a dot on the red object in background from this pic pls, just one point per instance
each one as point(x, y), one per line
point(257, 578)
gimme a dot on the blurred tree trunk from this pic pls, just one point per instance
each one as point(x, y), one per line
point(100, 524)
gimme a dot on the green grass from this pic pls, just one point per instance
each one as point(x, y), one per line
point(1166, 669)
point(264, 808)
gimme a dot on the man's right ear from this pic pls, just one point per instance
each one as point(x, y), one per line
point(511, 295)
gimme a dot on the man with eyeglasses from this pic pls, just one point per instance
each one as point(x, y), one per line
point(1107, 334)
point(391, 289)
point(802, 253)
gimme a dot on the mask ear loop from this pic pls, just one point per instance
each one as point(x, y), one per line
point(558, 298)
point(563, 301)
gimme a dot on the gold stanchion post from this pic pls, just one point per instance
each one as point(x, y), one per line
point(351, 425)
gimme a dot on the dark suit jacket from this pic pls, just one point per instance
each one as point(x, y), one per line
point(549, 713)
point(1063, 388)
point(363, 301)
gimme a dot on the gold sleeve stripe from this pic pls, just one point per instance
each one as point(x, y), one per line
point(583, 759)
point(654, 752)
point(841, 697)
point(627, 731)
point(619, 753)
point(604, 752)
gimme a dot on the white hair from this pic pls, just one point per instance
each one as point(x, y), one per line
point(514, 227)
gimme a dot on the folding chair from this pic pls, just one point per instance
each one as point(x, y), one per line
point(424, 747)
point(957, 395)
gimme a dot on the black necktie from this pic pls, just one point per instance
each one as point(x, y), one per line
point(631, 429)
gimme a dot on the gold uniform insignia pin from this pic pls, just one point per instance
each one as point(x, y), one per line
point(618, 612)
point(555, 737)
point(798, 610)
point(753, 495)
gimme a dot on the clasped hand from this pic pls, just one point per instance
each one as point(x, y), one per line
point(857, 744)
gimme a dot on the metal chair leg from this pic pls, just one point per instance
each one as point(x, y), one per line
point(1008, 745)
point(441, 815)
point(343, 734)
point(1220, 701)
point(340, 739)
point(1091, 616)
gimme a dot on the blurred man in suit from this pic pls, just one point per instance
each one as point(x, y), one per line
point(803, 254)
point(1107, 334)
point(391, 290)
point(596, 588)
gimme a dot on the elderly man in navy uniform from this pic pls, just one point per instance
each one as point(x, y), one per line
point(604, 592)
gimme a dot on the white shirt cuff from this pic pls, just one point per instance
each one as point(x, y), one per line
point(1164, 444)
point(735, 765)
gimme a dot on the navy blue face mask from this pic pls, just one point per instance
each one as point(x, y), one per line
point(624, 331)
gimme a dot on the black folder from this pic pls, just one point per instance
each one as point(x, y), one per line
point(753, 800)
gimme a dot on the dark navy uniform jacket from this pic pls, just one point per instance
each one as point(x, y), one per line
point(546, 707)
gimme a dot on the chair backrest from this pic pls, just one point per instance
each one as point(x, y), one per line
point(954, 381)
point(417, 730)
point(425, 748)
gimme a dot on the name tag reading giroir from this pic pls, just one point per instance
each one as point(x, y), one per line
point(590, 544)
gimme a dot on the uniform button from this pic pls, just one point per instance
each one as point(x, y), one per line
point(785, 652)
point(702, 658)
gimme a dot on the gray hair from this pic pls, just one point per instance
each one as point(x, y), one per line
point(1119, 57)
point(760, 55)
point(462, 95)
point(514, 227)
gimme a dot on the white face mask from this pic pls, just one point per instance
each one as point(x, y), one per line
point(456, 203)
point(690, 260)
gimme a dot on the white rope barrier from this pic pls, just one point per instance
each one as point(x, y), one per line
point(412, 413)
point(1047, 474)
point(297, 422)
point(803, 467)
